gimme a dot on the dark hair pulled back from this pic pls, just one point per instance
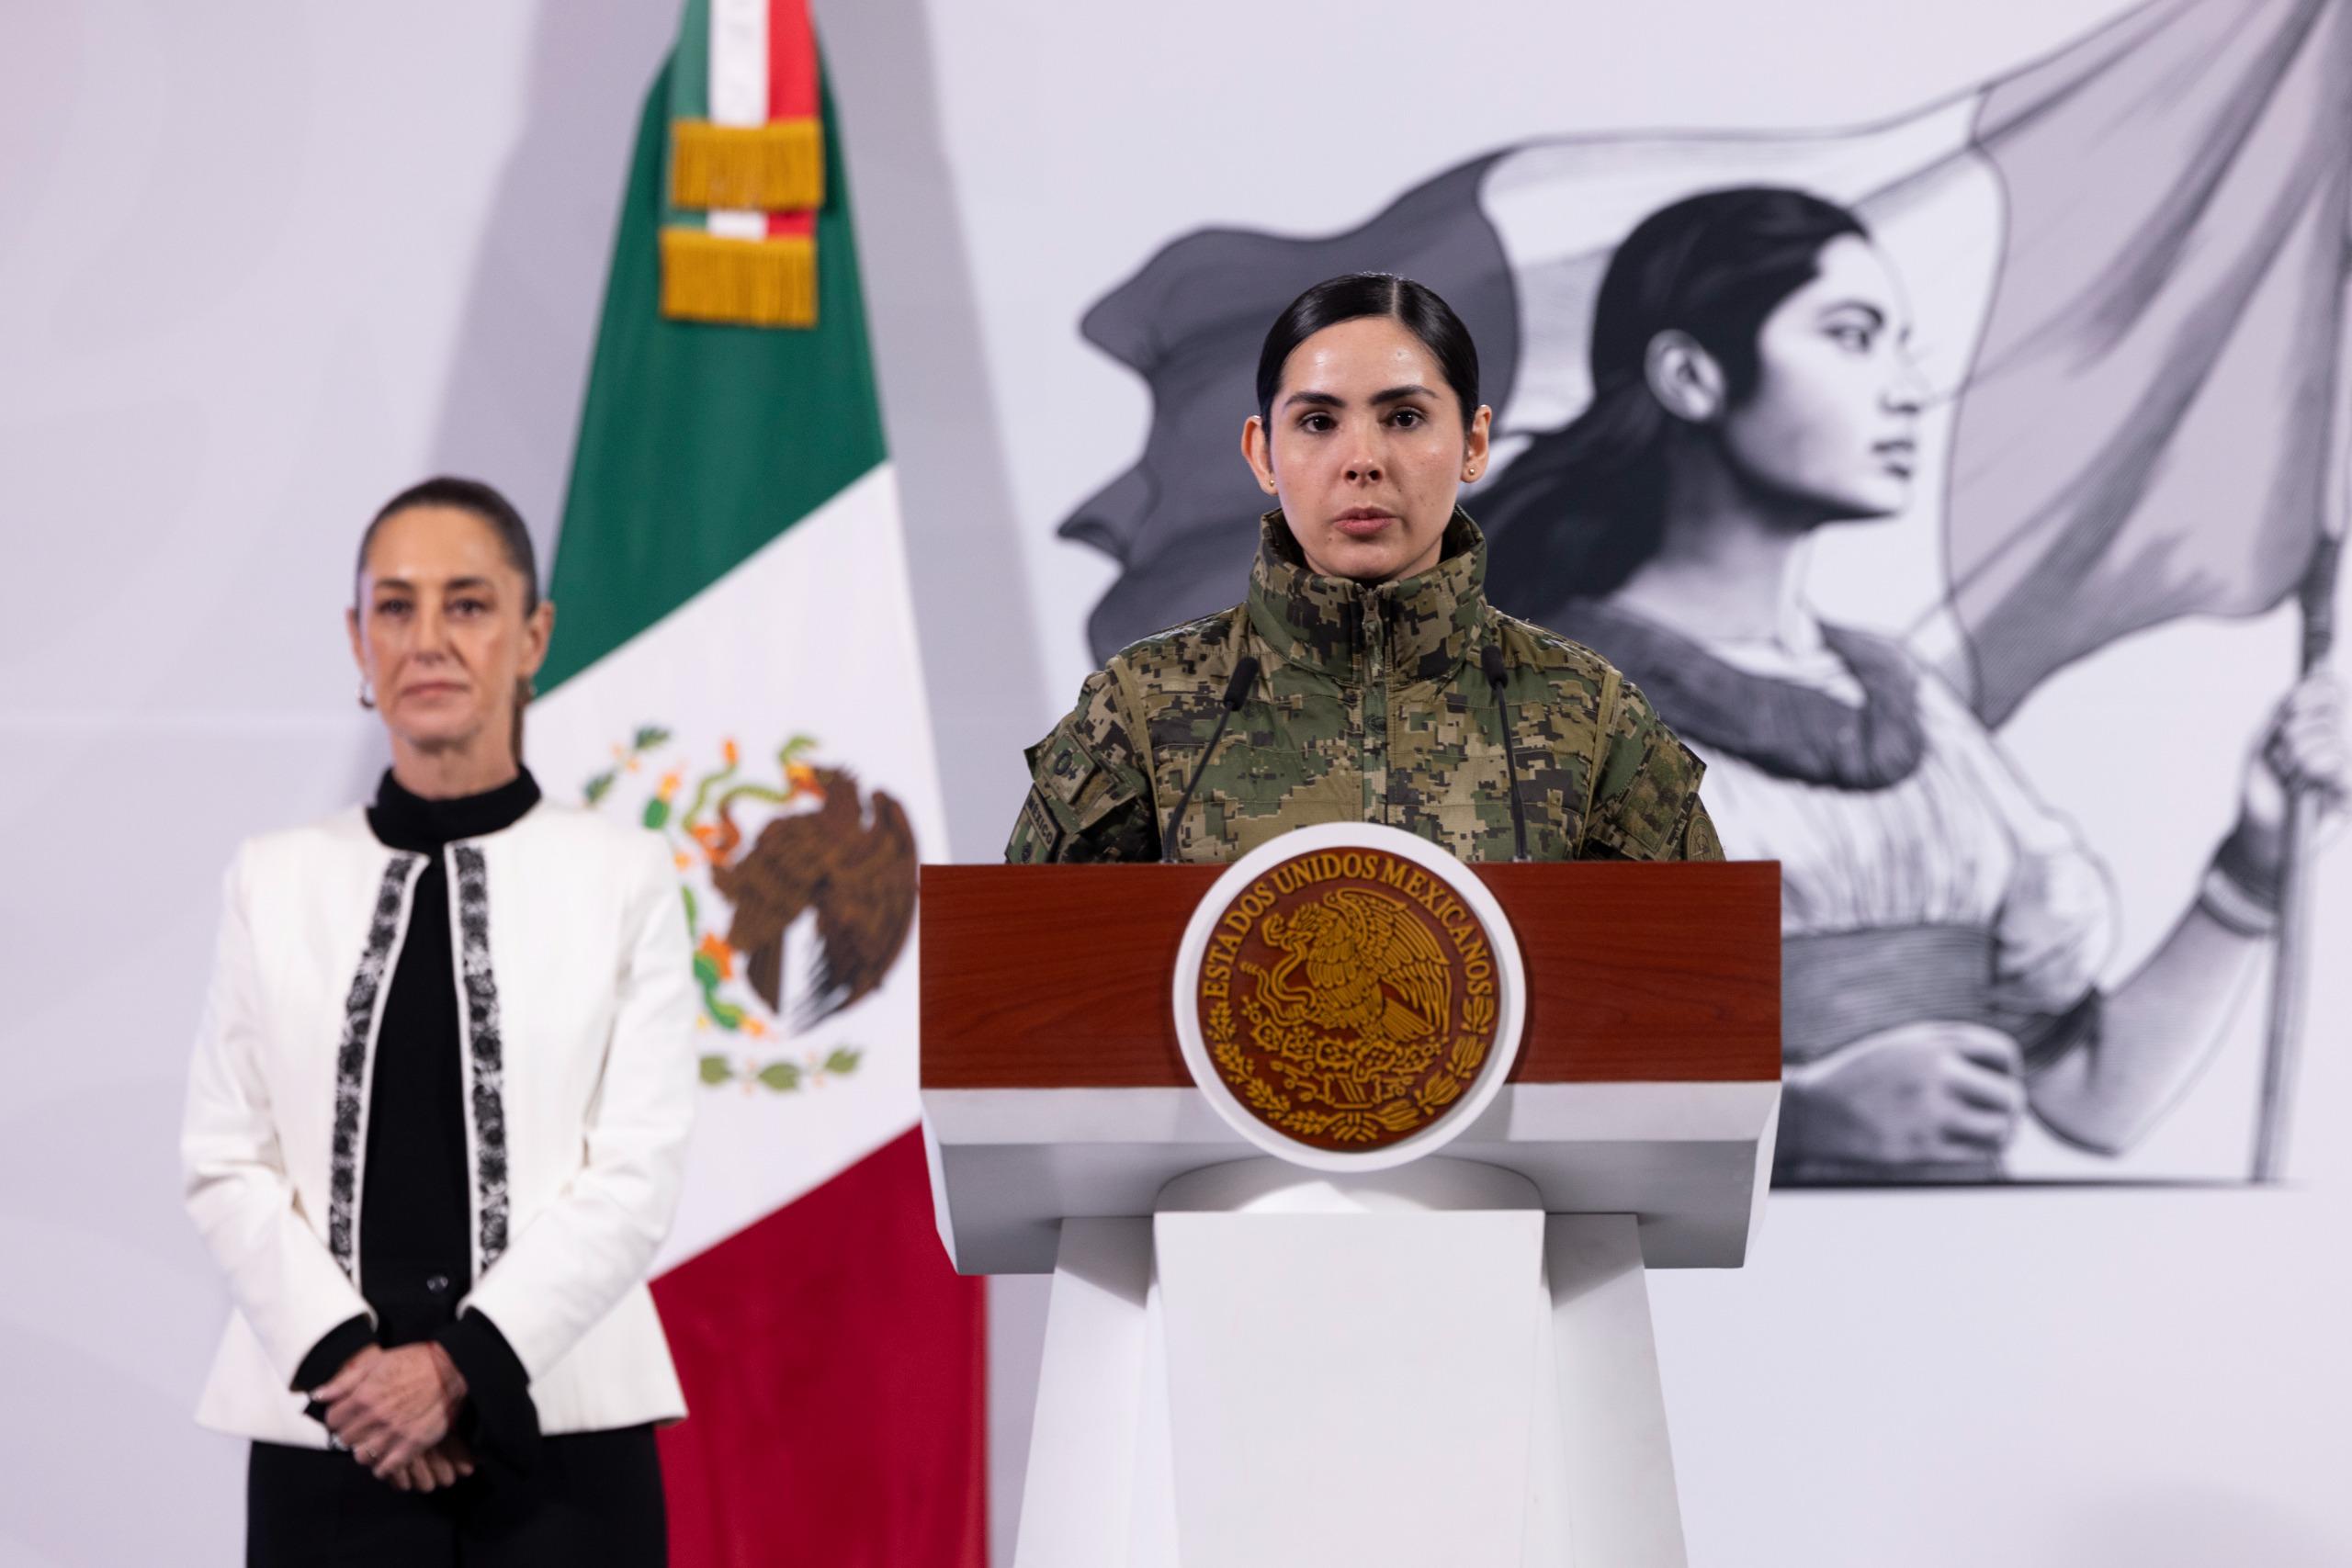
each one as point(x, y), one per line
point(1578, 512)
point(480, 501)
point(1415, 306)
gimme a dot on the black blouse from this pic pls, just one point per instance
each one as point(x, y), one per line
point(416, 1206)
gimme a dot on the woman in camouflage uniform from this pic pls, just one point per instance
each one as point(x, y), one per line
point(1385, 687)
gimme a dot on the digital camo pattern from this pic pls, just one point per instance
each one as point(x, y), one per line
point(1370, 706)
point(351, 1063)
point(487, 1051)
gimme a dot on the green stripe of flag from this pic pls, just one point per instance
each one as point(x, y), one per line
point(689, 94)
point(700, 444)
point(690, 66)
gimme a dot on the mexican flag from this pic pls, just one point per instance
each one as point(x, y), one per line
point(735, 668)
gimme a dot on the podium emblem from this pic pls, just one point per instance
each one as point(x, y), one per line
point(1349, 996)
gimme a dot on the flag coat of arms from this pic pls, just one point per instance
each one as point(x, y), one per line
point(735, 668)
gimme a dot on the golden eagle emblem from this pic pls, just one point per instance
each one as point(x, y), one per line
point(1347, 1000)
point(1373, 974)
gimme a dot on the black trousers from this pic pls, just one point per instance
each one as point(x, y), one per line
point(590, 1500)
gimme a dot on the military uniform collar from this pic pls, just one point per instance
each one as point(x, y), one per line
point(1423, 626)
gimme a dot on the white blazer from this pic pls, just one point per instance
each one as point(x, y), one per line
point(576, 1017)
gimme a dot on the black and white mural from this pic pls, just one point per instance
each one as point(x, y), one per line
point(2075, 341)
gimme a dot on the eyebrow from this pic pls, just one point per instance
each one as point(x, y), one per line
point(1331, 401)
point(453, 584)
point(1877, 316)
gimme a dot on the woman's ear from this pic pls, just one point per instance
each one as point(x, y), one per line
point(1258, 450)
point(538, 628)
point(1474, 445)
point(1684, 378)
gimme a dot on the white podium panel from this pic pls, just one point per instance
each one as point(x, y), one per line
point(1392, 1371)
point(1351, 1389)
point(1098, 1376)
point(1692, 1162)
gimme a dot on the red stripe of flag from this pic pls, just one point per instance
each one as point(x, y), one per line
point(792, 61)
point(835, 1369)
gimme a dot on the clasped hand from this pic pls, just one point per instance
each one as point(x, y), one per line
point(1926, 1093)
point(393, 1410)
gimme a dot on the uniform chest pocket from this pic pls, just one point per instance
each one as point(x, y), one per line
point(1259, 778)
point(1559, 727)
point(1271, 749)
point(1469, 784)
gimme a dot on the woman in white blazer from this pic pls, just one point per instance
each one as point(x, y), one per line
point(438, 1112)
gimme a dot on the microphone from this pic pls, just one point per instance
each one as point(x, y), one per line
point(1244, 674)
point(1490, 660)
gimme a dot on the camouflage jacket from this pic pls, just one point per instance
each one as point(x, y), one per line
point(1370, 706)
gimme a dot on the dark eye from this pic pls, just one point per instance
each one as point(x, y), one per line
point(1856, 338)
point(391, 607)
point(1316, 422)
point(468, 606)
point(1407, 419)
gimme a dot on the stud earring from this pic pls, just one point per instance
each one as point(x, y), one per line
point(367, 694)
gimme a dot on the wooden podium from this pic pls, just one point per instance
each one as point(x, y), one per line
point(1449, 1361)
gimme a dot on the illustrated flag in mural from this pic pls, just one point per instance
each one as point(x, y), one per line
point(2174, 254)
point(735, 668)
point(2112, 256)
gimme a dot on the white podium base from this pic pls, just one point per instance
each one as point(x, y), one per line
point(1283, 1368)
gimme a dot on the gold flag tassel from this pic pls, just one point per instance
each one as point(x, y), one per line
point(775, 168)
point(754, 283)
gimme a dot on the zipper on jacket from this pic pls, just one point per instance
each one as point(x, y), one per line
point(1374, 742)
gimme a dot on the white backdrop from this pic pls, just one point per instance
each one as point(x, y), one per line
point(260, 263)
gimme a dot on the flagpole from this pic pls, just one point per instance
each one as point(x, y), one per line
point(2282, 1046)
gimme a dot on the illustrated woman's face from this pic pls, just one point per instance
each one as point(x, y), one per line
point(440, 632)
point(1365, 451)
point(1832, 424)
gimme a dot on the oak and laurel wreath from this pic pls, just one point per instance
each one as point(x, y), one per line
point(1402, 1114)
point(784, 1075)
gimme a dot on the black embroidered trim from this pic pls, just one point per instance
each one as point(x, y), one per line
point(351, 1064)
point(489, 1053)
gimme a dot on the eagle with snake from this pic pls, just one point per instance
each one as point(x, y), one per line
point(1372, 970)
point(853, 864)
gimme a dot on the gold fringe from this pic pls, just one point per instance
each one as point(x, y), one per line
point(776, 167)
point(750, 283)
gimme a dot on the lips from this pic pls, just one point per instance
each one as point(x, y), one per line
point(1899, 455)
point(1362, 521)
